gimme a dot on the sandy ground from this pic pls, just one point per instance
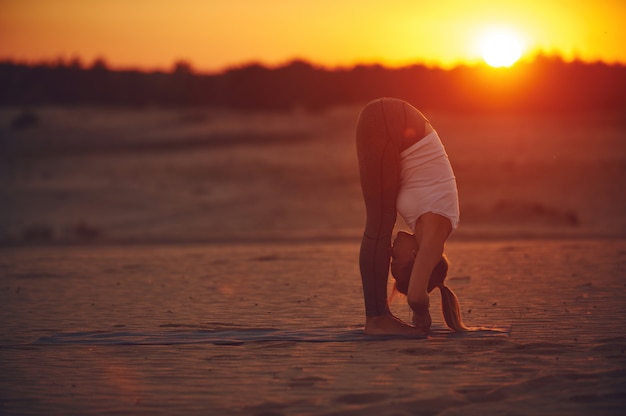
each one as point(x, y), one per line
point(205, 262)
point(564, 302)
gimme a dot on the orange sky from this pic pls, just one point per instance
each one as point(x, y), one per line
point(214, 34)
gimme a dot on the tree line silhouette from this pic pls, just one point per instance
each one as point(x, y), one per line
point(543, 84)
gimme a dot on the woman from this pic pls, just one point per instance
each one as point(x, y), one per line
point(404, 169)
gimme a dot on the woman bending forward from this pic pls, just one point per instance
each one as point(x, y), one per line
point(404, 169)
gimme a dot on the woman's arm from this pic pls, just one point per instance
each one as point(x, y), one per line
point(431, 232)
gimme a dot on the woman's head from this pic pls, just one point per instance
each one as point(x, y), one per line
point(403, 253)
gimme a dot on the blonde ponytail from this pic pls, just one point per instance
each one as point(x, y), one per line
point(451, 310)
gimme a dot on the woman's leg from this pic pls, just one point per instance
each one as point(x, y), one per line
point(379, 167)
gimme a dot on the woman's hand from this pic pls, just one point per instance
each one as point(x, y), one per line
point(422, 321)
point(418, 302)
point(421, 314)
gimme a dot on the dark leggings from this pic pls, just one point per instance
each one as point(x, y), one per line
point(385, 128)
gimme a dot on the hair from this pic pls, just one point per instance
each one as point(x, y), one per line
point(449, 301)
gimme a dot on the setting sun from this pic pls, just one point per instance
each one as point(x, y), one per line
point(501, 48)
point(446, 33)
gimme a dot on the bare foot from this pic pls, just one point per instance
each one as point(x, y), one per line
point(389, 325)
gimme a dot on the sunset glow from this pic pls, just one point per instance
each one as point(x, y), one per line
point(501, 48)
point(212, 35)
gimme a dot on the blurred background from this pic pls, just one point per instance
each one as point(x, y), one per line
point(148, 122)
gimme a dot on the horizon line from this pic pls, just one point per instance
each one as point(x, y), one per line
point(188, 66)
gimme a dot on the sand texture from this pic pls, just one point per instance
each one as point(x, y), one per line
point(197, 330)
